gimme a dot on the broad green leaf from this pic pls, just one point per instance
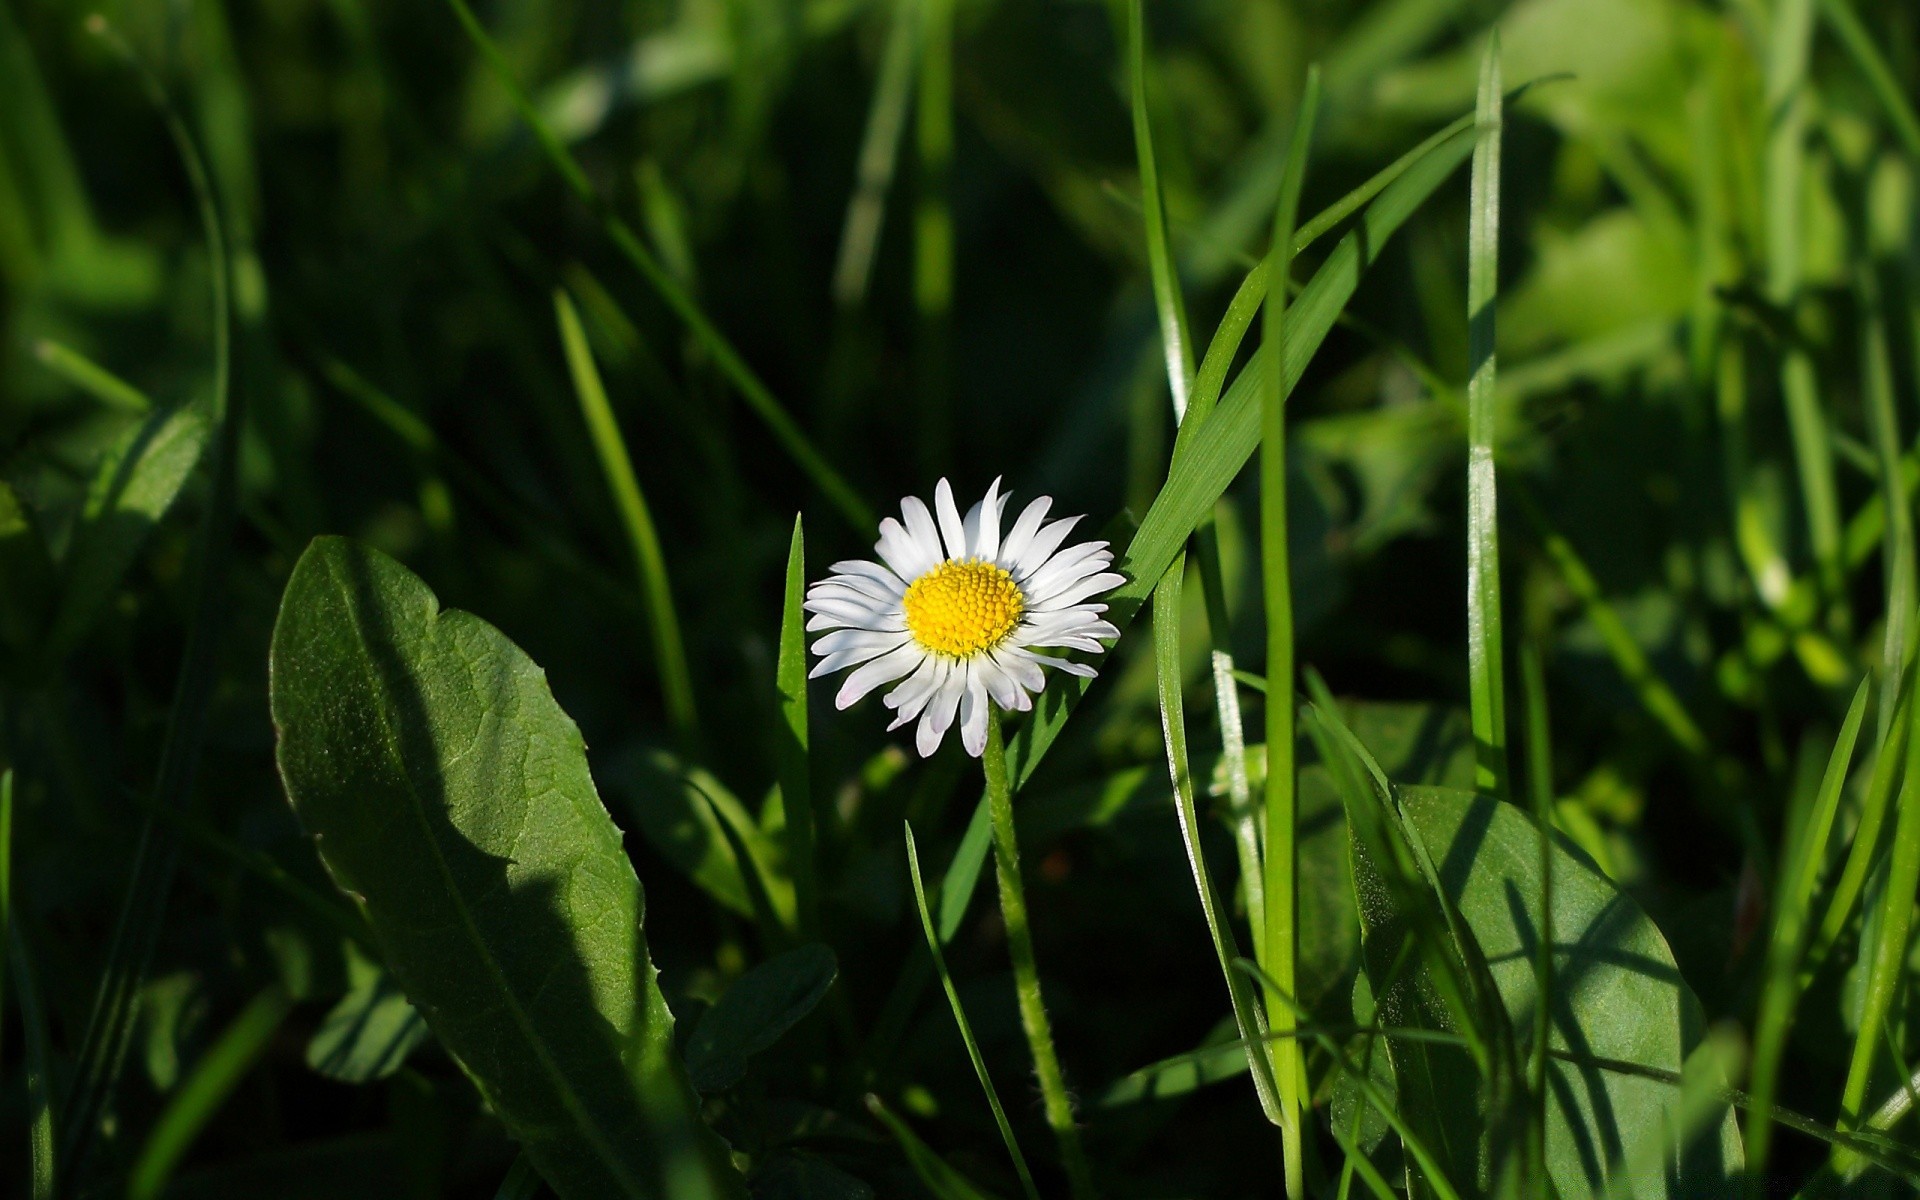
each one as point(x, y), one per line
point(755, 1012)
point(448, 794)
point(371, 1031)
point(133, 486)
point(794, 1176)
point(1617, 996)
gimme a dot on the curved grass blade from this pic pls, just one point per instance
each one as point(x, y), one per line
point(1169, 308)
point(752, 389)
point(1173, 725)
point(942, 1180)
point(1486, 656)
point(669, 652)
point(966, 1028)
point(1280, 886)
point(1873, 67)
point(794, 763)
point(137, 928)
point(213, 1079)
point(92, 378)
point(1792, 906)
point(449, 795)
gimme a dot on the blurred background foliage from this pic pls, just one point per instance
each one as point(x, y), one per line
point(919, 222)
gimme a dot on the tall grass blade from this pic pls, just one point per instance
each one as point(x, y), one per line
point(6, 886)
point(933, 232)
point(1883, 425)
point(940, 1179)
point(110, 1026)
point(1173, 725)
point(1168, 306)
point(213, 1079)
point(879, 151)
point(752, 389)
point(1805, 850)
point(1486, 658)
point(794, 763)
point(1789, 103)
point(966, 1027)
point(650, 564)
point(42, 1154)
point(1281, 886)
point(1873, 66)
point(92, 378)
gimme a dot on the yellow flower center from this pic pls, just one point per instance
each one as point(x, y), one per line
point(963, 606)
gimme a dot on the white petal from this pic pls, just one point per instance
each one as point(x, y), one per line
point(951, 527)
point(840, 660)
point(830, 613)
point(853, 587)
point(1042, 546)
point(885, 669)
point(1022, 665)
point(926, 535)
point(1015, 543)
point(938, 717)
point(858, 639)
point(901, 550)
point(1066, 566)
point(973, 716)
point(867, 570)
point(1000, 683)
point(1079, 591)
point(912, 696)
point(983, 524)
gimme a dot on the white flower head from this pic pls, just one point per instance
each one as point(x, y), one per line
point(961, 615)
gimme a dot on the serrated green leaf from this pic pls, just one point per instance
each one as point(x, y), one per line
point(755, 1012)
point(449, 795)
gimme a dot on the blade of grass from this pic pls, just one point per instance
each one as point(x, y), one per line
point(933, 233)
point(1883, 423)
point(879, 151)
point(705, 333)
point(794, 763)
point(39, 1062)
point(1800, 863)
point(1280, 887)
point(669, 653)
point(6, 885)
point(1055, 1100)
point(92, 378)
point(941, 1179)
point(1885, 953)
point(522, 1181)
point(1173, 725)
point(1192, 401)
point(966, 1028)
point(1486, 658)
point(1873, 67)
point(1788, 105)
point(137, 929)
point(213, 1079)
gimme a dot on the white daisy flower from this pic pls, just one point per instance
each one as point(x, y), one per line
point(960, 614)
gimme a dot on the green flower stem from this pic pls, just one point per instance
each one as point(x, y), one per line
point(1026, 974)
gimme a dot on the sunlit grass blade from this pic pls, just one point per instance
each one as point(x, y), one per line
point(879, 151)
point(1486, 657)
point(966, 1028)
point(793, 760)
point(1195, 404)
point(137, 930)
point(1883, 424)
point(1173, 725)
point(213, 1079)
point(90, 377)
point(1169, 308)
point(1703, 1090)
point(1805, 850)
point(752, 389)
point(1884, 954)
point(650, 564)
point(1280, 887)
point(38, 1060)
